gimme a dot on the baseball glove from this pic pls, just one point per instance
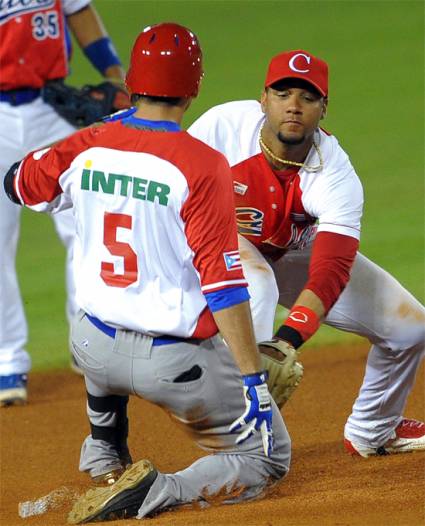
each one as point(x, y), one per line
point(279, 358)
point(84, 106)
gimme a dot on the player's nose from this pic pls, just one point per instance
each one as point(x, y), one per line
point(294, 104)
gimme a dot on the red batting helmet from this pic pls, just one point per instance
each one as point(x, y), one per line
point(166, 61)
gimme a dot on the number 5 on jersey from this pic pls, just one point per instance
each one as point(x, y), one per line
point(118, 248)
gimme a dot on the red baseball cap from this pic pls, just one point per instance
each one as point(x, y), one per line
point(298, 64)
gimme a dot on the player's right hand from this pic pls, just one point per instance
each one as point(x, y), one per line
point(258, 412)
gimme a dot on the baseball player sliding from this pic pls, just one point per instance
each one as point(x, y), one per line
point(298, 206)
point(158, 274)
point(34, 53)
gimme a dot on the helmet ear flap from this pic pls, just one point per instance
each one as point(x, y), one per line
point(166, 61)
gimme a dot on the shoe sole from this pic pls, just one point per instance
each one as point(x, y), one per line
point(402, 445)
point(119, 501)
point(17, 396)
point(405, 445)
point(109, 478)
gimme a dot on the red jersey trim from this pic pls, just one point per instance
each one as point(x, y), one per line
point(329, 134)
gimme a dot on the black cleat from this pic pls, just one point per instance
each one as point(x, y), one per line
point(121, 500)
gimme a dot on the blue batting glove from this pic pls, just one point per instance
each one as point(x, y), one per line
point(258, 412)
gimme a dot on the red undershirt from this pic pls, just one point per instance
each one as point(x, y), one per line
point(331, 261)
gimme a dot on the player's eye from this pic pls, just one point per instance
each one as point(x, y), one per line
point(309, 97)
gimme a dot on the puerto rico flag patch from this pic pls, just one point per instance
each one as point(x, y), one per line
point(232, 260)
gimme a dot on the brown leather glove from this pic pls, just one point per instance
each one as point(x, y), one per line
point(279, 358)
point(84, 106)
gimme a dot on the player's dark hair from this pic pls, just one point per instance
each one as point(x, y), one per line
point(168, 101)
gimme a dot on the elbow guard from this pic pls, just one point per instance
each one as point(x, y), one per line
point(8, 183)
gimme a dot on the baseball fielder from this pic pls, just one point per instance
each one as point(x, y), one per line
point(34, 49)
point(158, 273)
point(298, 206)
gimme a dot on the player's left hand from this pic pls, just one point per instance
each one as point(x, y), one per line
point(84, 106)
point(258, 412)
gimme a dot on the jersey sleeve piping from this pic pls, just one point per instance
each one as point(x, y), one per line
point(339, 229)
point(223, 284)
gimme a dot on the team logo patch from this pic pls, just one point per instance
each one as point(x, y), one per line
point(250, 221)
point(239, 188)
point(232, 260)
point(13, 8)
point(300, 237)
point(298, 316)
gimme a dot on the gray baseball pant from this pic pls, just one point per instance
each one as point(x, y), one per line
point(205, 405)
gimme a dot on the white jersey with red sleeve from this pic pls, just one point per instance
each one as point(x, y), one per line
point(155, 223)
point(274, 212)
point(33, 42)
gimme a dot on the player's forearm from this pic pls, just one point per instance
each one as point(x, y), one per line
point(86, 26)
point(115, 74)
point(331, 261)
point(303, 319)
point(309, 299)
point(93, 39)
point(236, 328)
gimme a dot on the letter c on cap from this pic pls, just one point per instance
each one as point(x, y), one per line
point(293, 66)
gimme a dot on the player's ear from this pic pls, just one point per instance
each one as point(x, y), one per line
point(324, 108)
point(263, 100)
point(186, 103)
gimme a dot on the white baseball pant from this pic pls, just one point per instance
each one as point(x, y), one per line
point(24, 128)
point(373, 305)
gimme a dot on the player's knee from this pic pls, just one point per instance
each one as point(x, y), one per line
point(407, 336)
point(263, 302)
point(281, 454)
point(263, 288)
point(407, 329)
point(281, 461)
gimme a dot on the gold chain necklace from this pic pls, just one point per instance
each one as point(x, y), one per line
point(293, 163)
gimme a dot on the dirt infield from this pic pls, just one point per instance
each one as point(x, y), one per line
point(40, 448)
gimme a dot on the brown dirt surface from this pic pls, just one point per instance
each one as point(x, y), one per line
point(40, 446)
